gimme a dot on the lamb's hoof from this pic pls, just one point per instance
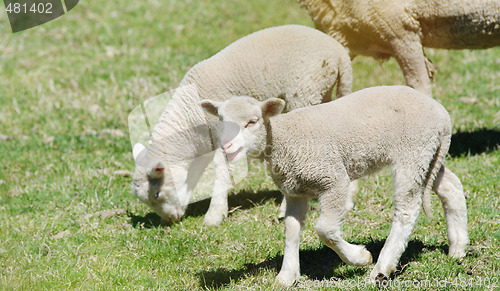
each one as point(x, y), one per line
point(213, 220)
point(367, 258)
point(381, 280)
point(457, 252)
point(364, 258)
point(286, 279)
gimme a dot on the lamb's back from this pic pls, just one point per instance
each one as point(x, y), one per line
point(277, 60)
point(376, 125)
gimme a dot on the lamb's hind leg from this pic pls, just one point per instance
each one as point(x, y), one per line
point(407, 202)
point(450, 191)
point(328, 227)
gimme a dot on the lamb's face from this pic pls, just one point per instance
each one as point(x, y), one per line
point(156, 189)
point(247, 116)
point(243, 115)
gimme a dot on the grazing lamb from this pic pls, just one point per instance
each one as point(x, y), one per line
point(298, 64)
point(400, 29)
point(317, 151)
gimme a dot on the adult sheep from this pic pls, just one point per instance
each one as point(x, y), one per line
point(298, 64)
point(400, 29)
point(316, 152)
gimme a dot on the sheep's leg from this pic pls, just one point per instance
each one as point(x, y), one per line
point(407, 202)
point(328, 227)
point(218, 209)
point(450, 191)
point(412, 61)
point(296, 209)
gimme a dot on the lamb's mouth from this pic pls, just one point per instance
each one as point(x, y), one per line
point(232, 156)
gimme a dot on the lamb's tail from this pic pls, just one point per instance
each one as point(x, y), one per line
point(434, 167)
point(344, 77)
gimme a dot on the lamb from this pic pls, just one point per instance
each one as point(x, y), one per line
point(316, 151)
point(298, 64)
point(400, 29)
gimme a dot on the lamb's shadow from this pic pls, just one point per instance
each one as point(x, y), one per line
point(318, 264)
point(482, 140)
point(240, 200)
point(149, 220)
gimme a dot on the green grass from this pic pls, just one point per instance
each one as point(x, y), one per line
point(66, 84)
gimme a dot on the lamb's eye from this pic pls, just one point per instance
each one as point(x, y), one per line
point(251, 122)
point(157, 194)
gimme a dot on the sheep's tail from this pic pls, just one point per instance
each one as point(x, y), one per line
point(344, 77)
point(435, 167)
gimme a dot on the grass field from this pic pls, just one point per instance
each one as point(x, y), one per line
point(69, 221)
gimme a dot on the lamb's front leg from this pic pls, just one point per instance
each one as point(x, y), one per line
point(332, 210)
point(296, 210)
point(218, 209)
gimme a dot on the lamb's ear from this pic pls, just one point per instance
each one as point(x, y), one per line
point(210, 106)
point(157, 170)
point(272, 107)
point(138, 148)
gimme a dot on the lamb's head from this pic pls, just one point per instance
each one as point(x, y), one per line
point(247, 115)
point(154, 186)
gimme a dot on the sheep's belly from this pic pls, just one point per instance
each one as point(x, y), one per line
point(466, 31)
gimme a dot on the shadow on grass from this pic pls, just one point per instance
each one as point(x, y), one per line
point(318, 264)
point(481, 140)
point(240, 200)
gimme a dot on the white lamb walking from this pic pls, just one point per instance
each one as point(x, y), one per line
point(317, 151)
point(298, 64)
